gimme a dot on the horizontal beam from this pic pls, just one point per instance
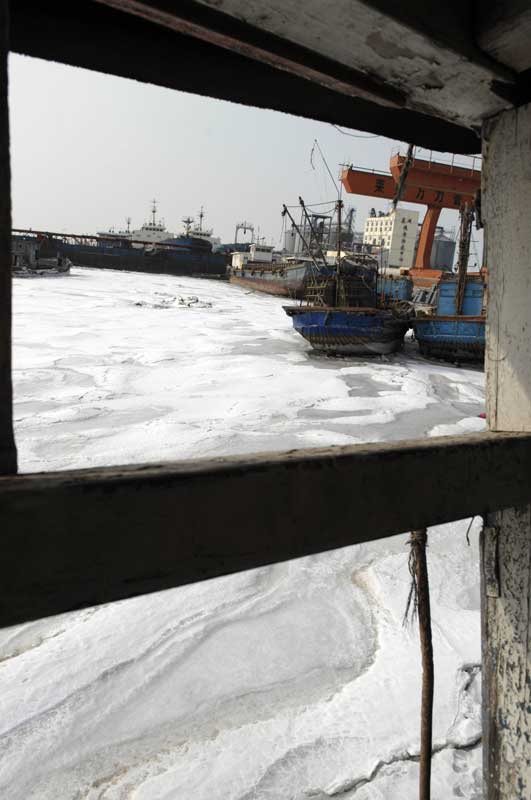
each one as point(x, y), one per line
point(98, 37)
point(74, 539)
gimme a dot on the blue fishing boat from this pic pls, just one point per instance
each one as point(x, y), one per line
point(455, 328)
point(345, 311)
point(349, 331)
point(450, 335)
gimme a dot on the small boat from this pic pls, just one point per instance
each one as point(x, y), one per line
point(344, 312)
point(454, 327)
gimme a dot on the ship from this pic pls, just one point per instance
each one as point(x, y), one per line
point(453, 326)
point(451, 330)
point(158, 251)
point(154, 231)
point(257, 269)
point(343, 311)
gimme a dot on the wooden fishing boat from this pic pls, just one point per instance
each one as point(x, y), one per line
point(345, 311)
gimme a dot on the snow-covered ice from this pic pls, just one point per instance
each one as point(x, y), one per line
point(289, 682)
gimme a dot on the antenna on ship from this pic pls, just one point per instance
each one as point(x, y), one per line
point(154, 212)
point(201, 215)
point(187, 221)
point(128, 221)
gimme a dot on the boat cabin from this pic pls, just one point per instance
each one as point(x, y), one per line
point(258, 254)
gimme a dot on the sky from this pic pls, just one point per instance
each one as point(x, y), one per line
point(89, 150)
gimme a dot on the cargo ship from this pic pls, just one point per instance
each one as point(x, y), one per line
point(159, 251)
point(185, 256)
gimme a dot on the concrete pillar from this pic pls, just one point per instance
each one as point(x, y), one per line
point(8, 458)
point(506, 538)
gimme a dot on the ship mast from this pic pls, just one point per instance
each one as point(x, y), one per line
point(154, 212)
point(339, 206)
point(201, 215)
point(312, 231)
point(285, 212)
point(465, 234)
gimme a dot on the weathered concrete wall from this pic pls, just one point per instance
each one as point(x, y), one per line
point(506, 598)
point(506, 540)
point(506, 199)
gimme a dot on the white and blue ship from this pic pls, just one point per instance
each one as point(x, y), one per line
point(151, 248)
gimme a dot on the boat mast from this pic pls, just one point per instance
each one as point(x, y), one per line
point(285, 212)
point(312, 230)
point(465, 232)
point(339, 206)
point(154, 212)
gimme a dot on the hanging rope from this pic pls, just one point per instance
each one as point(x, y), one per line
point(418, 604)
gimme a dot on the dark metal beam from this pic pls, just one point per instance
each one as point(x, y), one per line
point(8, 455)
point(74, 539)
point(94, 36)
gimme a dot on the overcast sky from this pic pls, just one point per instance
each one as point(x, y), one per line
point(89, 149)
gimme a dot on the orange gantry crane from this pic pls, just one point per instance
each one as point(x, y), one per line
point(429, 183)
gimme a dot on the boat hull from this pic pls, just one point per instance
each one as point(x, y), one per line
point(163, 261)
point(451, 338)
point(285, 281)
point(350, 332)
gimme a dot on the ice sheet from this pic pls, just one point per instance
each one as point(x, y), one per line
point(293, 681)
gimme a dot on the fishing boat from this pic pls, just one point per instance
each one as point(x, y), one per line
point(343, 311)
point(453, 328)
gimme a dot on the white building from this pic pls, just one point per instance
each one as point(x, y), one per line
point(396, 233)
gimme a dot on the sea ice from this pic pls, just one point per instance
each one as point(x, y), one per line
point(292, 681)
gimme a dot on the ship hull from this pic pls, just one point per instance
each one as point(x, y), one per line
point(284, 281)
point(451, 338)
point(153, 260)
point(349, 332)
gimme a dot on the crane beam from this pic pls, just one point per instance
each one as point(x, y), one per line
point(431, 183)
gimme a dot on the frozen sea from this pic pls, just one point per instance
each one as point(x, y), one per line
point(289, 682)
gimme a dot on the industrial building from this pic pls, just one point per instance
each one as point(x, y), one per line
point(396, 233)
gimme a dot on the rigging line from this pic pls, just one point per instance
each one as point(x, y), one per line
point(316, 144)
point(356, 135)
point(331, 203)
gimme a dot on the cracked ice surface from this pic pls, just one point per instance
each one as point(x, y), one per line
point(288, 682)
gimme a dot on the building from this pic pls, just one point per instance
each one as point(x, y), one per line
point(396, 233)
point(443, 249)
